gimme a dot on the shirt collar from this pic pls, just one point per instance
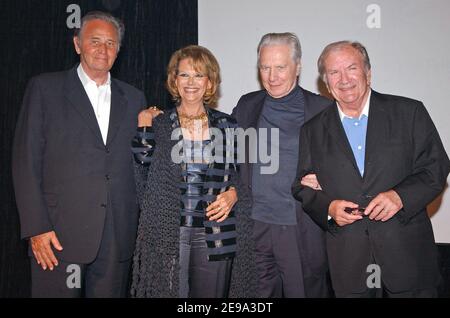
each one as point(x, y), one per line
point(86, 80)
point(365, 110)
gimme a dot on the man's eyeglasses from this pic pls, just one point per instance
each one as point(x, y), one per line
point(355, 211)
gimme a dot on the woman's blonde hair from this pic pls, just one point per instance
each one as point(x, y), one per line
point(203, 61)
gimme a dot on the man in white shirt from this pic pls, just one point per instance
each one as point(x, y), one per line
point(100, 98)
point(73, 170)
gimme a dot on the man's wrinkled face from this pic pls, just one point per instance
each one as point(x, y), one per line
point(347, 78)
point(97, 45)
point(277, 70)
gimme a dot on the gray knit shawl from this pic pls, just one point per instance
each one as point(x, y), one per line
point(156, 258)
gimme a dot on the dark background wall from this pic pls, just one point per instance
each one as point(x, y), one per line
point(34, 39)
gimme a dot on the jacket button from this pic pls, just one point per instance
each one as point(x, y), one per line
point(107, 176)
point(103, 205)
point(106, 149)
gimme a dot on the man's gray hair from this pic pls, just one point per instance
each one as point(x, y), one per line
point(335, 46)
point(286, 38)
point(100, 15)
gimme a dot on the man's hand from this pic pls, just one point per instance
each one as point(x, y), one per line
point(336, 211)
point(384, 206)
point(42, 249)
point(221, 207)
point(145, 117)
point(310, 180)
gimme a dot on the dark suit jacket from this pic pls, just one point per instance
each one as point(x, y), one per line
point(247, 113)
point(64, 176)
point(403, 153)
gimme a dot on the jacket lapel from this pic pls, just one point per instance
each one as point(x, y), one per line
point(77, 97)
point(336, 130)
point(118, 110)
point(308, 113)
point(309, 104)
point(256, 109)
point(377, 131)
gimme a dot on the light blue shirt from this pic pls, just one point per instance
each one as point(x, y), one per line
point(356, 131)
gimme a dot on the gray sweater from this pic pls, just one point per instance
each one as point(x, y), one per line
point(273, 201)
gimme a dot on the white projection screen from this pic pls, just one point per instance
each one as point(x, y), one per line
point(408, 42)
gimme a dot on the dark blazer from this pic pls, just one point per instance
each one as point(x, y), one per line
point(403, 153)
point(65, 178)
point(247, 113)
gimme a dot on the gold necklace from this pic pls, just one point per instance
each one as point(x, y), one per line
point(195, 124)
point(190, 120)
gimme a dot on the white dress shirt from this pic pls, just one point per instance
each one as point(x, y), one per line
point(365, 110)
point(100, 98)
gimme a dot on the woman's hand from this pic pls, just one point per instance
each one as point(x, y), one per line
point(311, 181)
point(219, 209)
point(145, 117)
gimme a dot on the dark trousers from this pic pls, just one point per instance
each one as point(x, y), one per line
point(200, 278)
point(383, 292)
point(105, 277)
point(278, 261)
point(351, 251)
